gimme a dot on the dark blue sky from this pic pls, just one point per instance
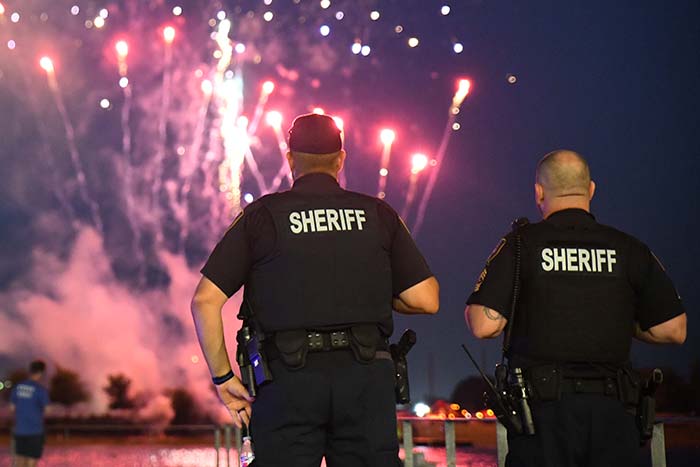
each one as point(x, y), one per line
point(615, 81)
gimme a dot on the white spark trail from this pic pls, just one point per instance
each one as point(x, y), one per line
point(386, 156)
point(439, 157)
point(410, 196)
point(48, 157)
point(74, 154)
point(163, 126)
point(459, 96)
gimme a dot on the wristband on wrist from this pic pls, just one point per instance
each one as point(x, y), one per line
point(223, 378)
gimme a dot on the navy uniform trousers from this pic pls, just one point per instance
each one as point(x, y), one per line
point(579, 430)
point(334, 407)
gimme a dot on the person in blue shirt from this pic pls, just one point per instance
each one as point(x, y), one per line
point(29, 399)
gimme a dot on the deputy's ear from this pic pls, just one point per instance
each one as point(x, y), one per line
point(290, 161)
point(341, 160)
point(539, 194)
point(591, 190)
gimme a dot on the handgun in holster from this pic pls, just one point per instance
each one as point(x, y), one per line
point(646, 410)
point(398, 355)
point(250, 354)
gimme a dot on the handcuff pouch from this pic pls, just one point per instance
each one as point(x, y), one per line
point(544, 382)
point(363, 341)
point(629, 386)
point(293, 347)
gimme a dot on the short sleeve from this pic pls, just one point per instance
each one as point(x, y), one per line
point(45, 397)
point(494, 286)
point(250, 237)
point(408, 266)
point(657, 298)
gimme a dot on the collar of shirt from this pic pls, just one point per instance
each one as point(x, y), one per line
point(573, 216)
point(317, 182)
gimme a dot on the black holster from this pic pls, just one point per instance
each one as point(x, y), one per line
point(646, 408)
point(398, 352)
point(252, 359)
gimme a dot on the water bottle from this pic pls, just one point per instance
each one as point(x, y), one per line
point(247, 455)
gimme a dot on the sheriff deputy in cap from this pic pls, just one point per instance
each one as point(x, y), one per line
point(322, 269)
point(584, 291)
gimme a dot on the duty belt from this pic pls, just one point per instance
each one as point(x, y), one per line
point(292, 346)
point(606, 386)
point(548, 382)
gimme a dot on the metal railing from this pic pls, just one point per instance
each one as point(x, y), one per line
point(658, 444)
point(227, 431)
point(227, 436)
point(411, 459)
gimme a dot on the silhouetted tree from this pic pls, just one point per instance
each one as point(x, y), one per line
point(184, 406)
point(118, 391)
point(66, 388)
point(15, 376)
point(695, 386)
point(469, 393)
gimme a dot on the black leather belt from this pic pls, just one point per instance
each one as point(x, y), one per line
point(325, 341)
point(605, 386)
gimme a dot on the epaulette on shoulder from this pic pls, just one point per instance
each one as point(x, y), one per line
point(519, 223)
point(262, 201)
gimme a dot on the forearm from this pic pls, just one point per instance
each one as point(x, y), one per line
point(401, 307)
point(210, 333)
point(484, 322)
point(422, 298)
point(650, 338)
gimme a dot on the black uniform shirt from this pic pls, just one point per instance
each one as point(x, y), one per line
point(583, 284)
point(251, 245)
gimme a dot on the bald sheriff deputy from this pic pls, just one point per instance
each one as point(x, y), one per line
point(322, 268)
point(586, 290)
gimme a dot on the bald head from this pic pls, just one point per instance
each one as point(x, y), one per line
point(563, 181)
point(564, 173)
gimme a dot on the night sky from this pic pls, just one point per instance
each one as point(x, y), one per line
point(615, 81)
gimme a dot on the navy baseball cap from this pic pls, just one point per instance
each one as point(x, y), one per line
point(315, 134)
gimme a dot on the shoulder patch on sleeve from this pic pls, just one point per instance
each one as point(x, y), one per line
point(403, 224)
point(496, 251)
point(480, 280)
point(491, 257)
point(658, 261)
point(235, 221)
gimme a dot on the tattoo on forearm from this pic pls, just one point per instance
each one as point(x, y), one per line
point(492, 314)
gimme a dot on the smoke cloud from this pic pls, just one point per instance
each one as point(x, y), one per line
point(73, 312)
